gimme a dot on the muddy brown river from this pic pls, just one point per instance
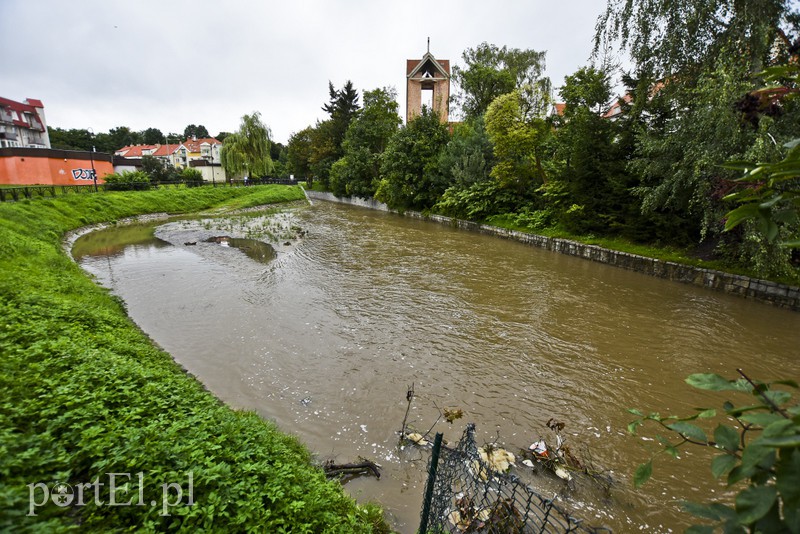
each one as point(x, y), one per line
point(324, 332)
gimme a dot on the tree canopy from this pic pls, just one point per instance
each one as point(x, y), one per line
point(299, 152)
point(492, 71)
point(358, 171)
point(247, 152)
point(194, 130)
point(409, 165)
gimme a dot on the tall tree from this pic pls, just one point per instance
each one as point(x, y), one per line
point(590, 190)
point(328, 135)
point(123, 136)
point(343, 102)
point(195, 130)
point(491, 71)
point(298, 153)
point(342, 108)
point(324, 150)
point(278, 153)
point(73, 139)
point(174, 138)
point(517, 137)
point(358, 171)
point(247, 151)
point(409, 166)
point(468, 157)
point(681, 38)
point(152, 136)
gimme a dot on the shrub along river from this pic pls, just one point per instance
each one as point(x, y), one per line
point(324, 331)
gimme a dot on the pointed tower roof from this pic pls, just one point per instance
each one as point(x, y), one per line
point(428, 67)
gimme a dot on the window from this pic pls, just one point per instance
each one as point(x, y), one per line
point(427, 98)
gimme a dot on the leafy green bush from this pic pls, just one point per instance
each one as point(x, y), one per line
point(127, 180)
point(191, 177)
point(759, 448)
point(479, 201)
point(158, 170)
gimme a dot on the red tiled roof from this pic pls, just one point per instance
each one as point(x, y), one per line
point(17, 106)
point(137, 151)
point(134, 151)
point(166, 150)
point(616, 108)
point(193, 145)
point(35, 102)
point(560, 107)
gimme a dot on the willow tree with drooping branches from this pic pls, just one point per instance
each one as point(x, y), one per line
point(247, 152)
point(694, 64)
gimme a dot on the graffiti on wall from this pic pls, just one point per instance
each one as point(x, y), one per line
point(83, 174)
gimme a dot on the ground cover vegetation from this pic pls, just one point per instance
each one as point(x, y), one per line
point(700, 97)
point(84, 393)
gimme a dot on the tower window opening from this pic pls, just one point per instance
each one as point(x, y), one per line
point(427, 98)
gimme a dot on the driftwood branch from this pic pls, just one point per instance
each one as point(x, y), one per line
point(364, 467)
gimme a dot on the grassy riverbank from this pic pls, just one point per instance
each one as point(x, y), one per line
point(84, 393)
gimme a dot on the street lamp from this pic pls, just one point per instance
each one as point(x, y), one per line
point(91, 158)
point(211, 161)
point(94, 174)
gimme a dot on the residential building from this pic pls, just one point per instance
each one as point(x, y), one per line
point(201, 154)
point(173, 154)
point(207, 148)
point(22, 124)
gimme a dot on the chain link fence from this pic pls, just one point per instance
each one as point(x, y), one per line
point(463, 495)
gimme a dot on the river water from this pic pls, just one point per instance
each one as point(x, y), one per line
point(325, 334)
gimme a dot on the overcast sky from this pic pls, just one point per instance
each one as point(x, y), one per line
point(169, 63)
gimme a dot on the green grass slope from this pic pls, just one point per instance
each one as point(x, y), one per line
point(84, 393)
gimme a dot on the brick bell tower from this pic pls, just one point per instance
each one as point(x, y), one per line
point(428, 81)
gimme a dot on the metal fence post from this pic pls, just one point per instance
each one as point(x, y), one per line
point(426, 507)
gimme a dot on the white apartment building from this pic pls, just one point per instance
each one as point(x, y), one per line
point(22, 124)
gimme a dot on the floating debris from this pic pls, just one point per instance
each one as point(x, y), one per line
point(501, 516)
point(451, 414)
point(558, 459)
point(417, 439)
point(497, 458)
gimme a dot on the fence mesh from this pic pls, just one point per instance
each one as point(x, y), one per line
point(468, 496)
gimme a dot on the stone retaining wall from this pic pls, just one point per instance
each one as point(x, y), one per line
point(779, 295)
point(353, 201)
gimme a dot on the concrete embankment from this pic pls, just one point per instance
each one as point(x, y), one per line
point(780, 295)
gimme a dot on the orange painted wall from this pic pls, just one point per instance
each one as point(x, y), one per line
point(33, 170)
